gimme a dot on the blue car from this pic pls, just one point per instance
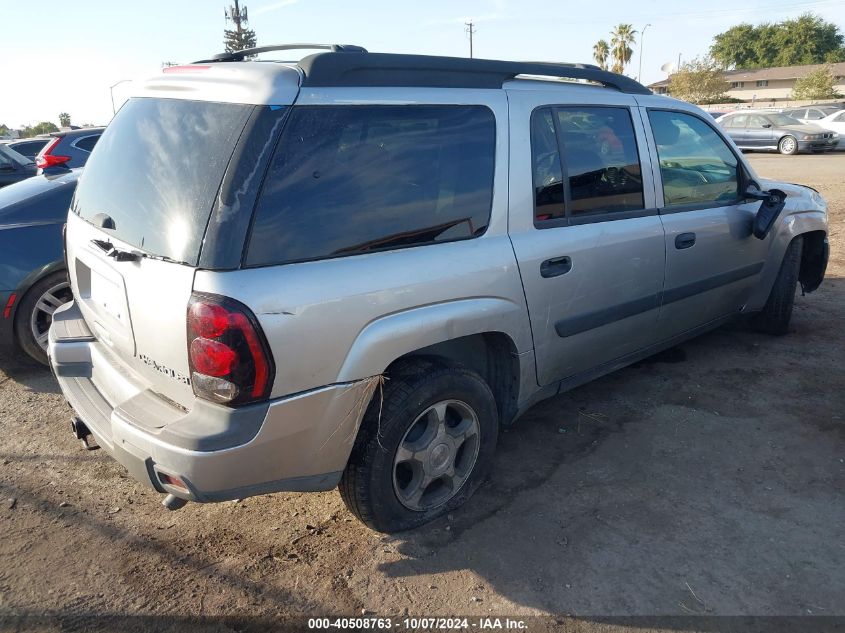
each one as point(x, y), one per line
point(33, 278)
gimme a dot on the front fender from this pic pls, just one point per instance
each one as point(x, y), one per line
point(386, 339)
point(805, 212)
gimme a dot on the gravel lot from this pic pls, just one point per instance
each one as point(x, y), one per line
point(707, 480)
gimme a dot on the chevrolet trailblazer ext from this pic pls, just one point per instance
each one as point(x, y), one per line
point(351, 270)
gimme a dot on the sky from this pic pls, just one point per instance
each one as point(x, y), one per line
point(63, 56)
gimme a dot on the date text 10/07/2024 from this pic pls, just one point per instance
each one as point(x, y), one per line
point(417, 623)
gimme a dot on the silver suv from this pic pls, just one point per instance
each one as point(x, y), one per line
point(352, 270)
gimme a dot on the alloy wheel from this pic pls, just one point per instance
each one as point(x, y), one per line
point(436, 455)
point(42, 314)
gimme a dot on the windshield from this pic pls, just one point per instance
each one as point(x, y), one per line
point(8, 155)
point(782, 119)
point(156, 171)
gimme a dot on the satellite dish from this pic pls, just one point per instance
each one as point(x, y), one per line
point(668, 67)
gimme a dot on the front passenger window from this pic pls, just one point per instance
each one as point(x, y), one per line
point(696, 165)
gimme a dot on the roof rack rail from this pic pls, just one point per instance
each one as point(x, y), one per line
point(389, 69)
point(238, 56)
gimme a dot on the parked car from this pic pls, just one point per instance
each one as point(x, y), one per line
point(835, 122)
point(14, 167)
point(28, 147)
point(33, 279)
point(435, 245)
point(812, 114)
point(754, 130)
point(67, 150)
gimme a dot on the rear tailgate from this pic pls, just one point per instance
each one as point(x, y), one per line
point(136, 310)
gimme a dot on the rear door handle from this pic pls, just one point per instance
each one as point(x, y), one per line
point(555, 267)
point(684, 240)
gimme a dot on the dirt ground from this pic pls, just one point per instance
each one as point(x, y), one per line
point(707, 480)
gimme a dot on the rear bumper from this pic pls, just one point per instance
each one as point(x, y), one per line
point(298, 443)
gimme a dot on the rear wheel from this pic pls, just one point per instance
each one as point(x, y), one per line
point(776, 314)
point(788, 145)
point(35, 313)
point(424, 450)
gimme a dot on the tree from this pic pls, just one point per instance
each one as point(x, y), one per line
point(621, 39)
point(45, 127)
point(4, 129)
point(601, 51)
point(819, 84)
point(699, 81)
point(240, 37)
point(807, 39)
point(64, 119)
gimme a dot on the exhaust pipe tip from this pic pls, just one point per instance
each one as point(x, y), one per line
point(172, 502)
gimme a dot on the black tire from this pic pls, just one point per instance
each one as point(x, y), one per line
point(24, 335)
point(788, 145)
point(775, 316)
point(367, 485)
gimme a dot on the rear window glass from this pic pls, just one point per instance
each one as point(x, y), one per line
point(355, 179)
point(87, 143)
point(157, 169)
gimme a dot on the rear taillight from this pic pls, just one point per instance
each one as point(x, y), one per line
point(47, 159)
point(230, 359)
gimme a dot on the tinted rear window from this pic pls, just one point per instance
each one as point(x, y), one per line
point(157, 169)
point(87, 143)
point(355, 179)
point(29, 149)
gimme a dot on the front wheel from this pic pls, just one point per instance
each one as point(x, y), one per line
point(776, 314)
point(424, 449)
point(35, 313)
point(788, 145)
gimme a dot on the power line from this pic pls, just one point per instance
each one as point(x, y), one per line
point(810, 4)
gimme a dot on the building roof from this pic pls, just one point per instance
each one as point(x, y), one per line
point(770, 74)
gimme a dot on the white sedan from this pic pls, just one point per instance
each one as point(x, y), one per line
point(836, 123)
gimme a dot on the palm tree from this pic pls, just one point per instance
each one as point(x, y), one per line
point(622, 38)
point(64, 119)
point(601, 51)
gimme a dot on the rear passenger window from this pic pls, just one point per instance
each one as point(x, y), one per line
point(696, 165)
point(87, 143)
point(356, 179)
point(548, 178)
point(737, 121)
point(601, 162)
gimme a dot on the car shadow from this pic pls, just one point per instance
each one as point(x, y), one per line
point(15, 365)
point(705, 480)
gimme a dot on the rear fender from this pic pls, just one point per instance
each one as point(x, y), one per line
point(387, 338)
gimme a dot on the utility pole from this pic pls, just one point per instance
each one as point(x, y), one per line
point(642, 37)
point(470, 29)
point(236, 15)
point(111, 92)
point(241, 36)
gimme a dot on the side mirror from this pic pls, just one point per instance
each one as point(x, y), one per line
point(773, 202)
point(767, 125)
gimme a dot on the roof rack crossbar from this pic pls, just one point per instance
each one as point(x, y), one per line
point(239, 56)
point(388, 69)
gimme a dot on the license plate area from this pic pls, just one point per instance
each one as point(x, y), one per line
point(109, 297)
point(102, 295)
